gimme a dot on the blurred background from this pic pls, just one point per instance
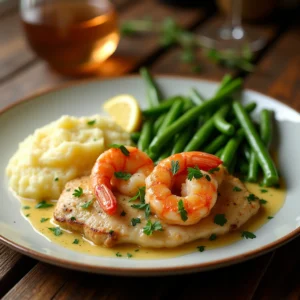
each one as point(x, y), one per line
point(57, 40)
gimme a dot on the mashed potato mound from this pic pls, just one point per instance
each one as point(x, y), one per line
point(61, 151)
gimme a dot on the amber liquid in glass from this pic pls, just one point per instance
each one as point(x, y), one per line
point(74, 38)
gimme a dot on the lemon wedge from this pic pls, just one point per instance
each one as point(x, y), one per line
point(125, 111)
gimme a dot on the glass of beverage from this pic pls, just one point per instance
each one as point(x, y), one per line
point(233, 35)
point(73, 36)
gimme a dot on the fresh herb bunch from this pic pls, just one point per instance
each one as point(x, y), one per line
point(170, 33)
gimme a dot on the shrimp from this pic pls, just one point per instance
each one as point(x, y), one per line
point(136, 165)
point(198, 195)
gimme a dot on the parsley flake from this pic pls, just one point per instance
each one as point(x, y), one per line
point(26, 207)
point(174, 166)
point(121, 147)
point(135, 221)
point(73, 219)
point(220, 219)
point(68, 190)
point(56, 231)
point(78, 192)
point(92, 122)
point(236, 189)
point(194, 173)
point(111, 232)
point(86, 204)
point(151, 227)
point(123, 214)
point(44, 220)
point(182, 211)
point(213, 170)
point(76, 242)
point(207, 177)
point(270, 217)
point(201, 248)
point(140, 195)
point(118, 254)
point(43, 204)
point(129, 255)
point(248, 235)
point(56, 179)
point(213, 237)
point(122, 175)
point(136, 250)
point(263, 201)
point(263, 191)
point(251, 198)
point(28, 215)
point(143, 206)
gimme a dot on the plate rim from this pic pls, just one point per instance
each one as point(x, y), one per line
point(203, 266)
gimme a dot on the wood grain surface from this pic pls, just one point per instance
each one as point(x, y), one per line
point(274, 275)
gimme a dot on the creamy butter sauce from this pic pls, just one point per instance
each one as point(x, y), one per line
point(274, 197)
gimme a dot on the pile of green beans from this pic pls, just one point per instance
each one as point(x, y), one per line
point(219, 125)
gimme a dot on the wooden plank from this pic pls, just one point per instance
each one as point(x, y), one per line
point(131, 53)
point(281, 280)
point(42, 282)
point(12, 267)
point(171, 63)
point(278, 74)
point(210, 285)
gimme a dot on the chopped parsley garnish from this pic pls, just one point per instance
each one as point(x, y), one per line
point(220, 219)
point(92, 122)
point(174, 166)
point(68, 190)
point(140, 195)
point(263, 201)
point(87, 204)
point(44, 220)
point(201, 248)
point(270, 217)
point(26, 207)
point(277, 186)
point(211, 171)
point(122, 175)
point(136, 250)
point(43, 204)
point(28, 215)
point(182, 211)
point(213, 237)
point(248, 235)
point(194, 173)
point(151, 227)
point(251, 198)
point(118, 254)
point(135, 221)
point(76, 242)
point(121, 147)
point(143, 206)
point(78, 192)
point(264, 191)
point(56, 179)
point(129, 255)
point(56, 230)
point(207, 177)
point(73, 218)
point(236, 189)
point(123, 214)
point(111, 232)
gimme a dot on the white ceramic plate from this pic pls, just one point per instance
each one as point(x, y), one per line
point(23, 118)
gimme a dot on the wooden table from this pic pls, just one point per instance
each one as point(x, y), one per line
point(275, 275)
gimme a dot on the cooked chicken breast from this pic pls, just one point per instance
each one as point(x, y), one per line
point(71, 213)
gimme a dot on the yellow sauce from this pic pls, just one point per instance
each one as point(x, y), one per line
point(274, 197)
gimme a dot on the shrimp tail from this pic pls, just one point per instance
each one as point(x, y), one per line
point(106, 199)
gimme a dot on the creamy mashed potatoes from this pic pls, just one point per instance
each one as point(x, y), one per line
point(60, 151)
